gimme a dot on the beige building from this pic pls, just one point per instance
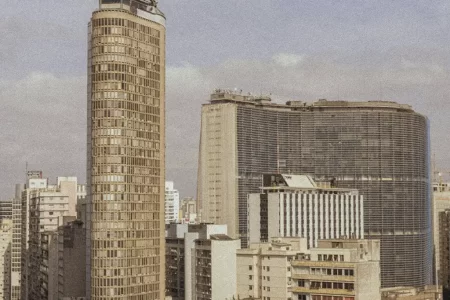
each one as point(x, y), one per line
point(5, 255)
point(341, 269)
point(180, 250)
point(264, 269)
point(214, 268)
point(48, 209)
point(429, 292)
point(126, 150)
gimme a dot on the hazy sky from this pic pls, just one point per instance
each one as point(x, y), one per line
point(294, 49)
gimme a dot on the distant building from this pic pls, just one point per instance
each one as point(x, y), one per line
point(429, 292)
point(264, 269)
point(380, 148)
point(338, 269)
point(172, 203)
point(194, 252)
point(16, 245)
point(188, 210)
point(5, 256)
point(6, 209)
point(294, 205)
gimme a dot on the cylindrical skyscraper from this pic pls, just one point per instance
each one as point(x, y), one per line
point(125, 159)
point(380, 148)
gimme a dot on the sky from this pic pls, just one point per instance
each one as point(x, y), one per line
point(293, 49)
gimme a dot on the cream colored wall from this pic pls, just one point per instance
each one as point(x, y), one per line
point(441, 202)
point(218, 166)
point(223, 269)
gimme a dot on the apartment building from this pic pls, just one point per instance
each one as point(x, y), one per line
point(62, 267)
point(264, 269)
point(294, 205)
point(340, 269)
point(47, 209)
point(380, 148)
point(182, 259)
point(6, 209)
point(214, 267)
point(5, 256)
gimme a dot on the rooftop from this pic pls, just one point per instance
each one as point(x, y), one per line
point(235, 96)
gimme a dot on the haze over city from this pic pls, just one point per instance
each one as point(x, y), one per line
point(294, 50)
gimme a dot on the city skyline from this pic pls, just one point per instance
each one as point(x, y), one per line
point(389, 51)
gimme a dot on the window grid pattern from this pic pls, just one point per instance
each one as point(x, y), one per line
point(125, 157)
point(382, 152)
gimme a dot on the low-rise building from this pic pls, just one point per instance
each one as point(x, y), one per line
point(264, 269)
point(429, 292)
point(294, 205)
point(340, 269)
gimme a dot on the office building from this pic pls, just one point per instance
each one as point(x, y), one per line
point(172, 203)
point(5, 255)
point(429, 292)
point(380, 148)
point(294, 205)
point(264, 269)
point(188, 210)
point(189, 257)
point(126, 151)
point(344, 269)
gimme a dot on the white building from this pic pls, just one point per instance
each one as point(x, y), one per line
point(264, 269)
point(294, 205)
point(172, 203)
point(344, 269)
point(200, 262)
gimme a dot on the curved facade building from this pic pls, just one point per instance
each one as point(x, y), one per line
point(380, 148)
point(125, 211)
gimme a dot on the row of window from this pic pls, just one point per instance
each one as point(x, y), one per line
point(126, 23)
point(125, 40)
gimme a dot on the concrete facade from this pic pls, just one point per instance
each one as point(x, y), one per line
point(338, 269)
point(380, 148)
point(429, 292)
point(264, 269)
point(126, 151)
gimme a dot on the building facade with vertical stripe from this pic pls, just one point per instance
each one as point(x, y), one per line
point(295, 206)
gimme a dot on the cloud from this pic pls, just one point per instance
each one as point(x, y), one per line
point(287, 60)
